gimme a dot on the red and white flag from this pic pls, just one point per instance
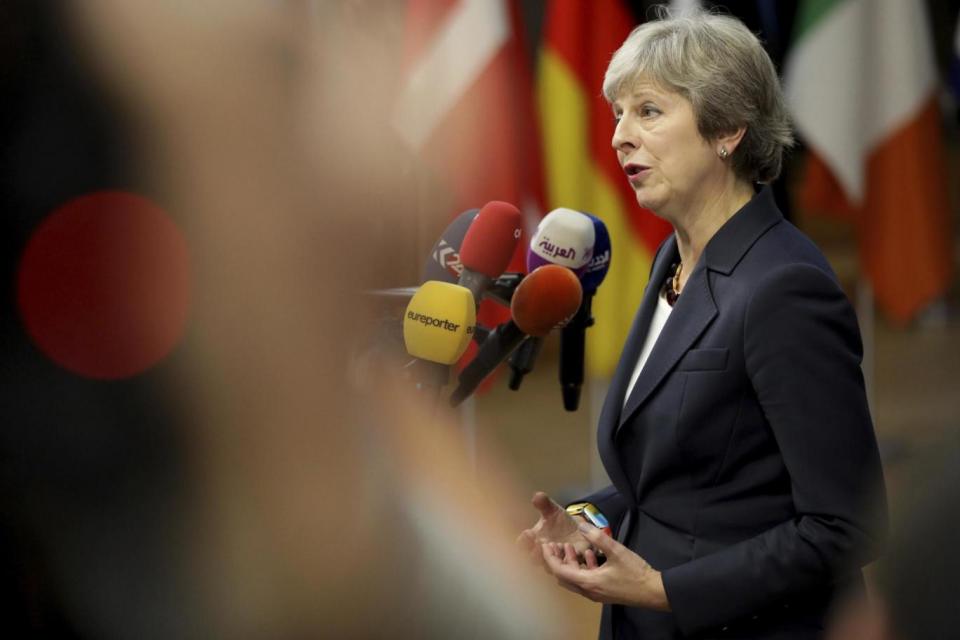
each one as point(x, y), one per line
point(466, 110)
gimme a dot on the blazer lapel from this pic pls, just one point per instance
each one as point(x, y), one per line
point(610, 414)
point(694, 311)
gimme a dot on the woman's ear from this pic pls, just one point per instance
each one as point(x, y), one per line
point(730, 141)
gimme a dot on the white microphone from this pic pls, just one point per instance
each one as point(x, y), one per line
point(564, 237)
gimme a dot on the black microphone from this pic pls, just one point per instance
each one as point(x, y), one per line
point(503, 287)
point(443, 263)
point(521, 360)
point(573, 336)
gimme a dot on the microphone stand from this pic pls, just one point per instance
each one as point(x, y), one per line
point(572, 348)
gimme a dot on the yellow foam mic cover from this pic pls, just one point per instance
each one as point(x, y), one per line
point(439, 322)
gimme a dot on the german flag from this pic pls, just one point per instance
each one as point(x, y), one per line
point(581, 166)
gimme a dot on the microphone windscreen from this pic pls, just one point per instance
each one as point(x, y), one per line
point(546, 299)
point(491, 239)
point(564, 237)
point(598, 266)
point(439, 322)
point(444, 264)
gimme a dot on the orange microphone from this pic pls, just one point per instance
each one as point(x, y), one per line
point(545, 300)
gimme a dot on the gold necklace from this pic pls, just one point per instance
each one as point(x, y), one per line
point(672, 285)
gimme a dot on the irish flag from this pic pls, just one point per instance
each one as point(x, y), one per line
point(862, 87)
point(581, 166)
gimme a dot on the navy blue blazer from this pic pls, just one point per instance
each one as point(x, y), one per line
point(744, 464)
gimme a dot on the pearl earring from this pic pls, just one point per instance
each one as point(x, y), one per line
point(723, 153)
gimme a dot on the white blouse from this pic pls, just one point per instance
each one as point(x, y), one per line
point(659, 319)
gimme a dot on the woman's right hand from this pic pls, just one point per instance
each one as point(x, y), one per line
point(554, 525)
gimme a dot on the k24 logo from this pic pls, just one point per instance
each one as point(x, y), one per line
point(448, 258)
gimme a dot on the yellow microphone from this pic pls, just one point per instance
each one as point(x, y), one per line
point(438, 325)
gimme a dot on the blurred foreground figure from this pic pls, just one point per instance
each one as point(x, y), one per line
point(308, 497)
point(916, 582)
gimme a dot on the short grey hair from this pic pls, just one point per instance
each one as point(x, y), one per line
point(717, 64)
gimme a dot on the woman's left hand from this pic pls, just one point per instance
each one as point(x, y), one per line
point(625, 578)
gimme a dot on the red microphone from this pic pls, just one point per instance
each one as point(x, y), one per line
point(488, 246)
point(546, 299)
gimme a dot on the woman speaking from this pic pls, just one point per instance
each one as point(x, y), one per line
point(747, 491)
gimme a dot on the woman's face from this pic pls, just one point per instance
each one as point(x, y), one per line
point(667, 162)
